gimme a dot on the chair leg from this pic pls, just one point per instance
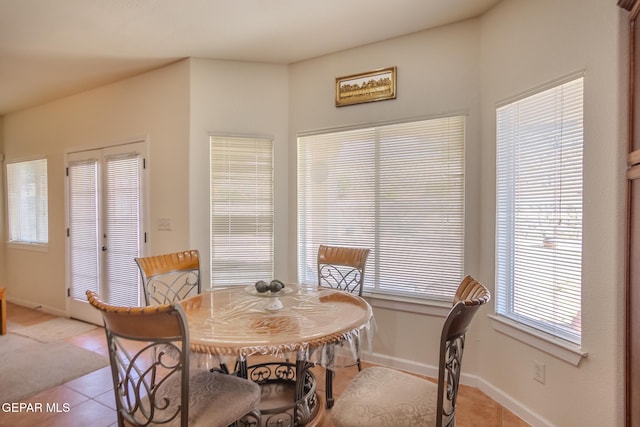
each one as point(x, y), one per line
point(329, 387)
point(329, 374)
point(223, 368)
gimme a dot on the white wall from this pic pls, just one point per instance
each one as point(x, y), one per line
point(155, 105)
point(525, 45)
point(237, 98)
point(175, 108)
point(437, 74)
point(469, 67)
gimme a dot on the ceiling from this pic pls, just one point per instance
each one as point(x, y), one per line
point(51, 49)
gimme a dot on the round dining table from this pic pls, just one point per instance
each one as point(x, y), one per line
point(301, 323)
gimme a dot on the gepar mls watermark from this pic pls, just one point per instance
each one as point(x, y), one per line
point(35, 407)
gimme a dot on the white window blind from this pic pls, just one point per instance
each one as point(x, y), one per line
point(84, 235)
point(397, 190)
point(122, 238)
point(241, 210)
point(27, 201)
point(539, 210)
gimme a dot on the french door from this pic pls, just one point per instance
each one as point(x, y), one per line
point(104, 220)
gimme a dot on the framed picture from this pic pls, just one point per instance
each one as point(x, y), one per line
point(366, 87)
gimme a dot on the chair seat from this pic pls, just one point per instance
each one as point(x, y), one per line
point(215, 399)
point(380, 396)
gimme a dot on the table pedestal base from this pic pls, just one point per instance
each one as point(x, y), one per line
point(285, 402)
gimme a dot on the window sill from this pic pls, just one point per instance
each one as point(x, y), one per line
point(35, 247)
point(562, 350)
point(410, 305)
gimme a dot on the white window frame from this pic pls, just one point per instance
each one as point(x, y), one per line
point(359, 156)
point(545, 118)
point(39, 199)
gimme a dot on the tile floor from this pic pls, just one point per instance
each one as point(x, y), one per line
point(91, 402)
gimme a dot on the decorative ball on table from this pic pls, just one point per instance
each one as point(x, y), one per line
point(273, 287)
point(262, 286)
point(276, 286)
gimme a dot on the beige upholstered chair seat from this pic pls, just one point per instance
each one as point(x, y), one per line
point(380, 396)
point(215, 399)
point(385, 397)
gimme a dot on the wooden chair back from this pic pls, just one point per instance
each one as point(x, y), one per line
point(170, 277)
point(342, 267)
point(148, 352)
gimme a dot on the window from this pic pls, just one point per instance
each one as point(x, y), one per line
point(396, 189)
point(241, 210)
point(539, 210)
point(27, 202)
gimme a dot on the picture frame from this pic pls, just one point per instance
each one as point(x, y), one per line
point(377, 85)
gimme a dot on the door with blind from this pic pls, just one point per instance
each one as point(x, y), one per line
point(104, 220)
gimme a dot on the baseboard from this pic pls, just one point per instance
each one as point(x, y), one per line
point(499, 396)
point(36, 306)
point(415, 367)
point(401, 364)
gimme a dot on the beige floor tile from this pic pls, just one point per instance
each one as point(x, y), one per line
point(23, 419)
point(94, 340)
point(89, 413)
point(60, 395)
point(107, 398)
point(24, 316)
point(509, 419)
point(62, 407)
point(472, 414)
point(94, 383)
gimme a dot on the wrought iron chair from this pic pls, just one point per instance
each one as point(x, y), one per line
point(170, 277)
point(380, 396)
point(341, 268)
point(154, 389)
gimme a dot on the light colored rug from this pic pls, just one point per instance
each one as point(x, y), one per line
point(53, 330)
point(28, 366)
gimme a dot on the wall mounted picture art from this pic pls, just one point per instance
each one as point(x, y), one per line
point(371, 86)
